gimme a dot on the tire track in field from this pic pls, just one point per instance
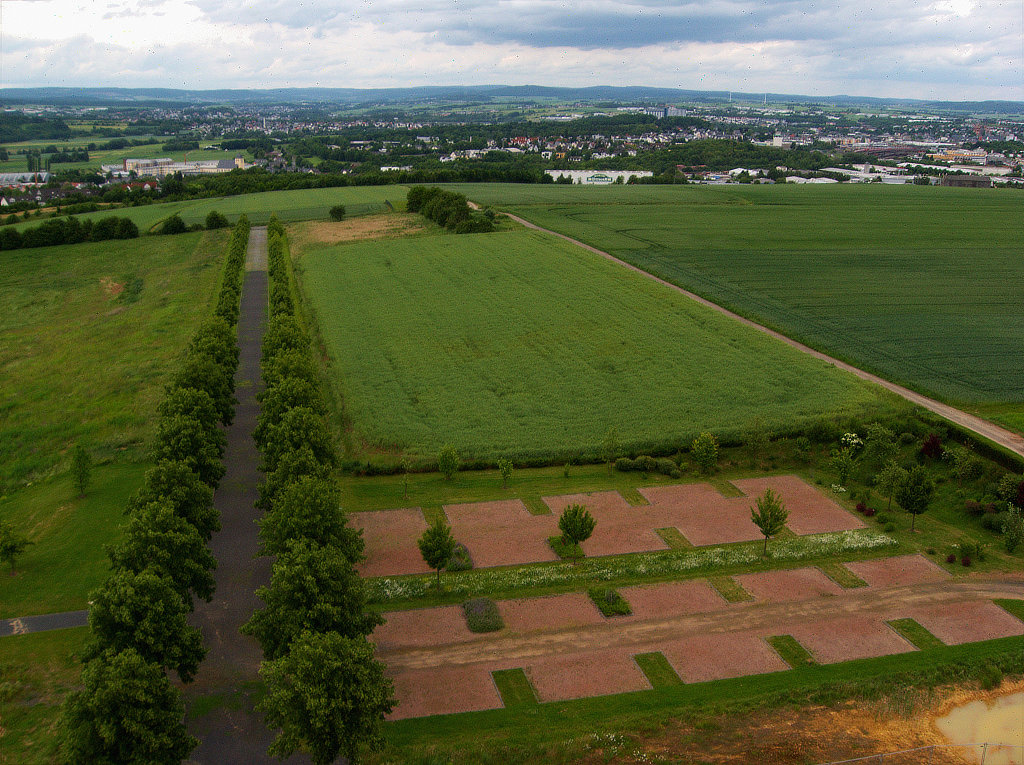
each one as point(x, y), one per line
point(999, 435)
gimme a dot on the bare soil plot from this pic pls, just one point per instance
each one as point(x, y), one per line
point(502, 533)
point(898, 570)
point(793, 584)
point(442, 625)
point(390, 538)
point(849, 637)
point(555, 612)
point(701, 513)
point(621, 528)
point(444, 690)
point(583, 674)
point(715, 657)
point(672, 599)
point(955, 623)
point(810, 511)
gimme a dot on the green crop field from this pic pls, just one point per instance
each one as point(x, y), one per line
point(919, 284)
point(516, 343)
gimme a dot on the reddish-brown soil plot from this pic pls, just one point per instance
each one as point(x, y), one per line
point(794, 584)
point(444, 690)
point(714, 657)
point(422, 627)
point(583, 674)
point(502, 533)
point(902, 569)
point(810, 511)
point(621, 528)
point(967, 622)
point(701, 514)
point(390, 537)
point(848, 637)
point(557, 611)
point(672, 599)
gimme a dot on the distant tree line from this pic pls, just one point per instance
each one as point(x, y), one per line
point(68, 230)
point(127, 709)
point(448, 209)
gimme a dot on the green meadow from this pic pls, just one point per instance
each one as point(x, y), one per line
point(919, 284)
point(518, 344)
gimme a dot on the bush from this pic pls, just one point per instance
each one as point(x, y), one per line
point(646, 464)
point(965, 561)
point(174, 225)
point(889, 527)
point(705, 452)
point(665, 466)
point(991, 676)
point(482, 615)
point(609, 602)
point(461, 560)
point(907, 438)
point(974, 508)
point(448, 461)
point(951, 558)
point(215, 220)
point(931, 447)
point(995, 521)
point(337, 212)
point(625, 464)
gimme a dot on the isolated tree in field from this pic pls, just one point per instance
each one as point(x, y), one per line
point(505, 468)
point(448, 461)
point(576, 524)
point(437, 545)
point(769, 515)
point(705, 452)
point(328, 696)
point(81, 469)
point(610, 447)
point(890, 478)
point(842, 462)
point(12, 544)
point(126, 712)
point(915, 493)
point(337, 212)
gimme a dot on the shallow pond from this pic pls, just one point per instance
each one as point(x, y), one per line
point(999, 721)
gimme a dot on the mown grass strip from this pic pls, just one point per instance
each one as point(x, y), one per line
point(917, 635)
point(536, 506)
point(634, 497)
point(1011, 606)
point(657, 669)
point(730, 589)
point(514, 688)
point(674, 538)
point(842, 576)
point(433, 513)
point(609, 602)
point(571, 551)
point(794, 654)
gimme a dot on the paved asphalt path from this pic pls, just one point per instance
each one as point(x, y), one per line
point(43, 622)
point(1006, 438)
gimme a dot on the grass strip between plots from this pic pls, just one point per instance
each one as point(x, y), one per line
point(730, 589)
point(609, 602)
point(842, 576)
point(674, 538)
point(917, 635)
point(657, 669)
point(514, 688)
point(794, 654)
point(1011, 606)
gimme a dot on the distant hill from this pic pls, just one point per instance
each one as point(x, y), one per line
point(440, 94)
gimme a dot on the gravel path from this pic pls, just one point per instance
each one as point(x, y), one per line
point(1006, 438)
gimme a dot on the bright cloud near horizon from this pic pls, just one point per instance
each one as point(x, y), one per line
point(931, 49)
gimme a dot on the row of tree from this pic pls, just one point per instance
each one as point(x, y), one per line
point(68, 230)
point(325, 691)
point(127, 710)
point(446, 208)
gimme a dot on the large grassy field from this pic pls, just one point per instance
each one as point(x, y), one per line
point(516, 343)
point(920, 284)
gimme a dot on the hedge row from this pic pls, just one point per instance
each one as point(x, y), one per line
point(68, 231)
point(128, 710)
point(448, 209)
point(314, 626)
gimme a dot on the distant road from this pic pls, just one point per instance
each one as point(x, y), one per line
point(1006, 438)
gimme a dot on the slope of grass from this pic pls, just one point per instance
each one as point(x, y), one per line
point(517, 344)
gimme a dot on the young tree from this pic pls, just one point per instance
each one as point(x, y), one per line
point(769, 515)
point(437, 545)
point(576, 524)
point(328, 695)
point(915, 493)
point(81, 469)
point(12, 544)
point(448, 461)
point(889, 479)
point(757, 438)
point(1013, 529)
point(879, 445)
point(126, 712)
point(505, 467)
point(842, 462)
point(705, 452)
point(610, 447)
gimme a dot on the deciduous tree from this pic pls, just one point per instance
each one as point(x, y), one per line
point(12, 543)
point(81, 469)
point(915, 493)
point(705, 452)
point(310, 509)
point(448, 461)
point(769, 515)
point(176, 483)
point(437, 545)
point(890, 478)
point(576, 524)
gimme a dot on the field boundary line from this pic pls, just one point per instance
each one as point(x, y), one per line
point(1005, 438)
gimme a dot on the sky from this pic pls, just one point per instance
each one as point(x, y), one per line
point(931, 49)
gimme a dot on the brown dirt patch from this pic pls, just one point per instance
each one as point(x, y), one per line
point(701, 513)
point(556, 612)
point(442, 625)
point(901, 569)
point(794, 584)
point(390, 537)
point(502, 533)
point(444, 690)
point(584, 674)
point(714, 657)
point(672, 599)
point(364, 227)
point(846, 638)
point(810, 511)
point(112, 288)
point(621, 528)
point(967, 622)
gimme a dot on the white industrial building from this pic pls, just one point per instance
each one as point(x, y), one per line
point(599, 177)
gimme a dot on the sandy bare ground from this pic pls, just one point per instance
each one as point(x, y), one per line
point(1006, 438)
point(384, 226)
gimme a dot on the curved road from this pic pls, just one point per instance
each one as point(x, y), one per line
point(1005, 438)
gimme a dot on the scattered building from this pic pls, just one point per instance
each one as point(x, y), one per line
point(599, 177)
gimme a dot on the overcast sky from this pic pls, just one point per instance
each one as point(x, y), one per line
point(944, 49)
